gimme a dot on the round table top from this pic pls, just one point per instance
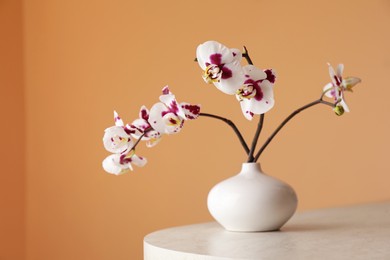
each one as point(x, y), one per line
point(354, 232)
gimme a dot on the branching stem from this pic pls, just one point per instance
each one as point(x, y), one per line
point(246, 56)
point(285, 121)
point(140, 138)
point(232, 125)
point(255, 139)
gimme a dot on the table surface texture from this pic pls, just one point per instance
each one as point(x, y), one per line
point(353, 232)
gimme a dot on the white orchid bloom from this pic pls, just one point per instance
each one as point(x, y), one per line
point(221, 66)
point(141, 127)
point(117, 139)
point(121, 163)
point(168, 116)
point(256, 93)
point(336, 88)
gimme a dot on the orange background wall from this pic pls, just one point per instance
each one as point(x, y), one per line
point(83, 59)
point(12, 132)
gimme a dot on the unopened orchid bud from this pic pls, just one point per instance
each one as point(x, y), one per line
point(339, 110)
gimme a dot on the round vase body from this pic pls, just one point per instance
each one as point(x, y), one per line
point(252, 201)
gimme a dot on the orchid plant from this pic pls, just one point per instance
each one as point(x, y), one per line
point(251, 86)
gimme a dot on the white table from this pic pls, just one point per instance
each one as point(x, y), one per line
point(355, 232)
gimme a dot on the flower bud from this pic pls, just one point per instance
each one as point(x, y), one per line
point(339, 110)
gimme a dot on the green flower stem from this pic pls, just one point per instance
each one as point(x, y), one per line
point(319, 101)
point(255, 139)
point(232, 125)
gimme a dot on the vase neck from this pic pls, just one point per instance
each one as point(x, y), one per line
point(249, 167)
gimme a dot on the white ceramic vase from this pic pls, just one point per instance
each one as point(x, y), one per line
point(252, 201)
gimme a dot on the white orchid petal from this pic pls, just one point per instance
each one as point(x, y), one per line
point(164, 121)
point(350, 82)
point(155, 117)
point(165, 90)
point(212, 51)
point(332, 73)
point(173, 123)
point(340, 69)
point(266, 103)
point(116, 140)
point(111, 165)
point(139, 126)
point(173, 106)
point(336, 78)
point(138, 161)
point(231, 84)
point(252, 106)
point(152, 142)
point(167, 99)
point(245, 107)
point(190, 111)
point(254, 73)
point(329, 90)
point(117, 119)
point(237, 55)
point(260, 107)
point(271, 75)
point(116, 130)
point(152, 134)
point(343, 104)
point(144, 113)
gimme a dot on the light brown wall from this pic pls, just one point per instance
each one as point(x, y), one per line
point(86, 58)
point(12, 131)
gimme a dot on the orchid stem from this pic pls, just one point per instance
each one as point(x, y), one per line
point(256, 138)
point(261, 120)
point(319, 101)
point(140, 138)
point(232, 125)
point(246, 56)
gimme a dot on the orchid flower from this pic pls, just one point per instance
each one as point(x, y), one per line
point(221, 66)
point(256, 94)
point(336, 88)
point(168, 116)
point(121, 163)
point(142, 128)
point(117, 139)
